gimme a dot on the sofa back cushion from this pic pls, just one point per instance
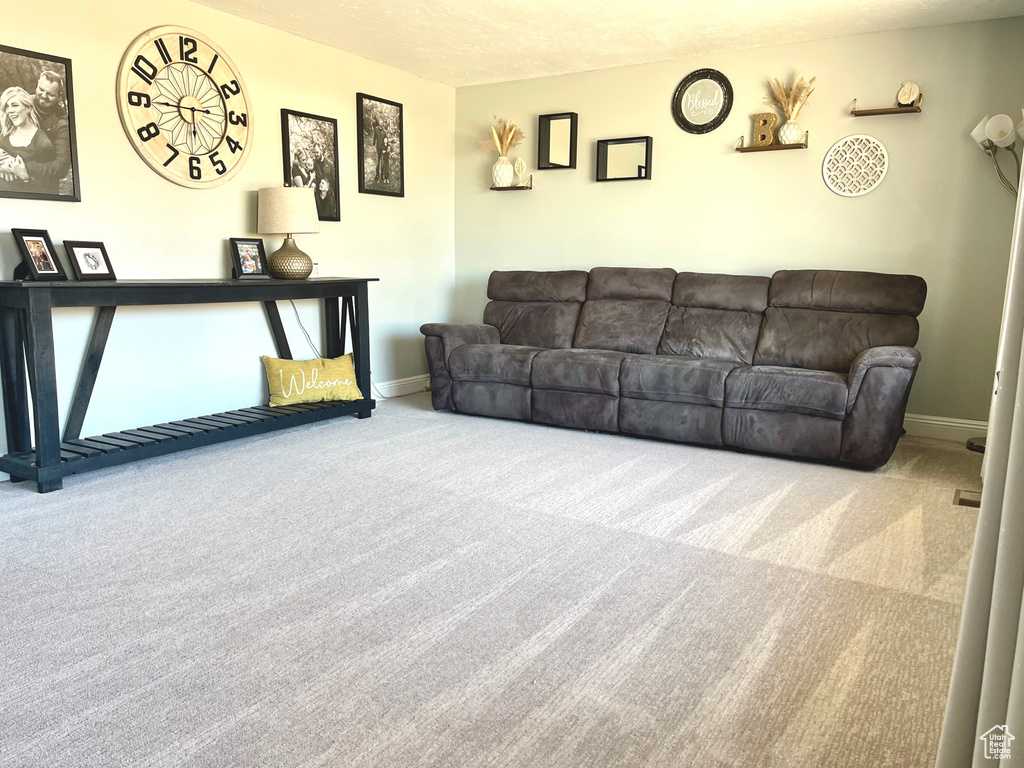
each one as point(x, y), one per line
point(625, 309)
point(823, 319)
point(535, 309)
point(715, 317)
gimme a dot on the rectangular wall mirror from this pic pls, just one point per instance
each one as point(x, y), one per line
point(624, 159)
point(556, 140)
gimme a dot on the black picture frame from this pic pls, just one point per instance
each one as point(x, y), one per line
point(242, 247)
point(643, 172)
point(381, 146)
point(38, 256)
point(544, 161)
point(310, 157)
point(679, 109)
point(89, 260)
point(50, 158)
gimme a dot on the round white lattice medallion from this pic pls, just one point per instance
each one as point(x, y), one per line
point(855, 165)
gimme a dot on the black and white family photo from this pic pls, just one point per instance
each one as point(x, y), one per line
point(311, 158)
point(381, 151)
point(89, 260)
point(38, 152)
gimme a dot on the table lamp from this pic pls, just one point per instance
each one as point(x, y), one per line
point(287, 211)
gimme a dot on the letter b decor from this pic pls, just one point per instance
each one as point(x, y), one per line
point(764, 129)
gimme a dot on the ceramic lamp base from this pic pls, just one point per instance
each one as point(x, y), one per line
point(289, 263)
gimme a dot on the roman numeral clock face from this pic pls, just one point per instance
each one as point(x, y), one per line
point(184, 107)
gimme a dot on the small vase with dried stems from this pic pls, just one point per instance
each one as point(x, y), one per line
point(503, 138)
point(790, 102)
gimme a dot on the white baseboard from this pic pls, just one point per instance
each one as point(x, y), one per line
point(402, 387)
point(943, 428)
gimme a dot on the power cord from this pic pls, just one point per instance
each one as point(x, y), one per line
point(317, 351)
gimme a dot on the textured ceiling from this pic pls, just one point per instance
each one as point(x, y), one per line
point(468, 42)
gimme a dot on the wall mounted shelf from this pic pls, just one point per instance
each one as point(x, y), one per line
point(774, 147)
point(517, 188)
point(916, 109)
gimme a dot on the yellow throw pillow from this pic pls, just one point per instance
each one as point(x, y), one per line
point(311, 381)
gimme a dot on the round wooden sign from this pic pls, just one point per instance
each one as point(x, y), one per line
point(702, 101)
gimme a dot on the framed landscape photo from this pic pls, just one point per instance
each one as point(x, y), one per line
point(381, 146)
point(248, 259)
point(311, 158)
point(89, 261)
point(38, 146)
point(38, 255)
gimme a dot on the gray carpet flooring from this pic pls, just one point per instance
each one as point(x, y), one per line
point(430, 589)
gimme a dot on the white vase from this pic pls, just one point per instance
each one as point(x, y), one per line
point(790, 133)
point(502, 172)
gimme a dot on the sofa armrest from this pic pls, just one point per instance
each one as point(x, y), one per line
point(880, 381)
point(878, 357)
point(454, 335)
point(441, 339)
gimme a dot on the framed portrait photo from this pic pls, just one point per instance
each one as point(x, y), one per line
point(38, 255)
point(311, 158)
point(38, 146)
point(248, 259)
point(89, 261)
point(381, 146)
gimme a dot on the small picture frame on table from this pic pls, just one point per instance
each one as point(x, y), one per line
point(248, 259)
point(39, 259)
point(89, 260)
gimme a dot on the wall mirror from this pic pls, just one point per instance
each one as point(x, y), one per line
point(556, 140)
point(702, 101)
point(624, 159)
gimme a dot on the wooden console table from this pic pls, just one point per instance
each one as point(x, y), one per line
point(26, 336)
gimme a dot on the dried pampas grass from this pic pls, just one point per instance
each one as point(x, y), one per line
point(503, 138)
point(792, 101)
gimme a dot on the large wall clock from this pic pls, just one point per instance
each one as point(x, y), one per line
point(184, 107)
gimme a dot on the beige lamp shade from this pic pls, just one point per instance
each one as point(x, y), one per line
point(286, 211)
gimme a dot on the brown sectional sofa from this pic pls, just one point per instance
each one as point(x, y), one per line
point(808, 363)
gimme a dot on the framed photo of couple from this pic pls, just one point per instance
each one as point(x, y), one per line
point(38, 145)
point(311, 158)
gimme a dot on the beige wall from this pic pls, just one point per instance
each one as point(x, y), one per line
point(164, 363)
point(939, 213)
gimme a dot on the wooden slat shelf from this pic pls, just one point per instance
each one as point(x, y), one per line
point(101, 451)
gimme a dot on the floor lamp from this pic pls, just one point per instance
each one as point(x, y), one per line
point(993, 134)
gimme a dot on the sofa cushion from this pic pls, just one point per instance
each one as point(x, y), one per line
point(498, 363)
point(822, 319)
point(548, 324)
point(630, 283)
point(625, 325)
point(674, 379)
point(577, 370)
point(744, 293)
point(535, 309)
point(717, 334)
point(848, 291)
point(569, 285)
point(791, 390)
point(828, 341)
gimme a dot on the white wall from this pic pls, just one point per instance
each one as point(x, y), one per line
point(940, 212)
point(164, 363)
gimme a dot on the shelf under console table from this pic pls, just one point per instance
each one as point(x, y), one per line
point(26, 345)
